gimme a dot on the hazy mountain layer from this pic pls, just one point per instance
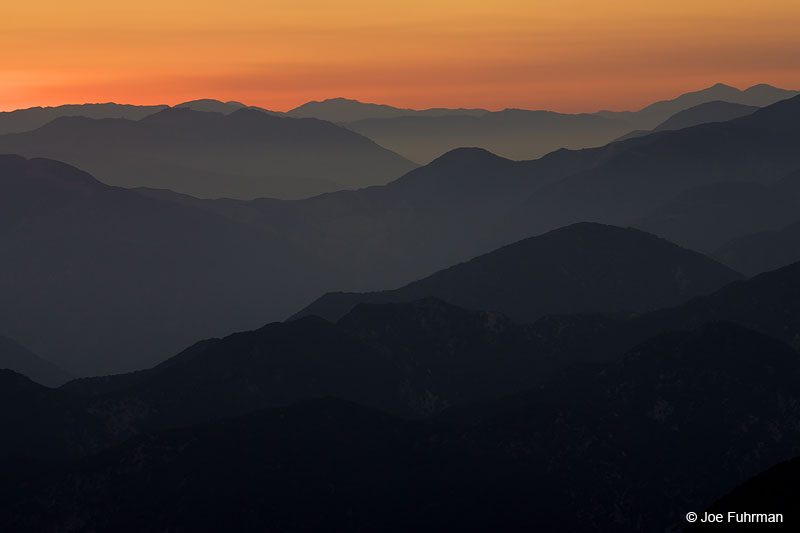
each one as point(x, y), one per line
point(583, 268)
point(654, 114)
point(707, 217)
point(717, 111)
point(102, 279)
point(346, 110)
point(20, 359)
point(99, 256)
point(244, 154)
point(762, 251)
point(513, 133)
point(35, 117)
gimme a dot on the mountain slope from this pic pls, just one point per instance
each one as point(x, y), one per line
point(41, 422)
point(512, 133)
point(709, 112)
point(100, 279)
point(768, 303)
point(462, 205)
point(707, 217)
point(638, 174)
point(243, 154)
point(346, 110)
point(716, 111)
point(413, 359)
point(582, 268)
point(650, 116)
point(430, 218)
point(20, 359)
point(209, 105)
point(35, 117)
point(762, 251)
point(525, 134)
point(469, 202)
point(574, 455)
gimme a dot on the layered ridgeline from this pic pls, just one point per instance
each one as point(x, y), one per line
point(649, 117)
point(36, 117)
point(773, 247)
point(423, 135)
point(33, 118)
point(638, 177)
point(20, 359)
point(100, 279)
point(709, 217)
point(525, 134)
point(282, 255)
point(243, 154)
point(412, 359)
point(716, 111)
point(762, 251)
point(699, 187)
point(512, 133)
point(583, 268)
point(343, 110)
point(575, 454)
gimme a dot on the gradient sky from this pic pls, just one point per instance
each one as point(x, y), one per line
point(566, 55)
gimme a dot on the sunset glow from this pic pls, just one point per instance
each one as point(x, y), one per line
point(571, 55)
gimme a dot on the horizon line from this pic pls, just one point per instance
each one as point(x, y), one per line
point(491, 109)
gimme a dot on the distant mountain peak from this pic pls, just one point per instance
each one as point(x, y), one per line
point(171, 112)
point(581, 268)
point(339, 99)
point(761, 86)
point(470, 154)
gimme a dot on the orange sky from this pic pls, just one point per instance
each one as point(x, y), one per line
point(566, 55)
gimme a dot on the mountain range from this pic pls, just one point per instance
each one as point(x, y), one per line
point(582, 268)
point(566, 412)
point(762, 251)
point(243, 154)
point(716, 111)
point(423, 135)
point(725, 212)
point(636, 176)
point(523, 134)
point(85, 252)
point(348, 110)
point(603, 338)
point(649, 117)
point(412, 359)
point(699, 187)
point(99, 279)
point(33, 118)
point(578, 442)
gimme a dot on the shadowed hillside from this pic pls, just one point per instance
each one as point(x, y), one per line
point(579, 444)
point(100, 279)
point(583, 268)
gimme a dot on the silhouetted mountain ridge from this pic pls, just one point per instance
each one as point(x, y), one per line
point(716, 111)
point(579, 443)
point(245, 153)
point(582, 268)
point(145, 276)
